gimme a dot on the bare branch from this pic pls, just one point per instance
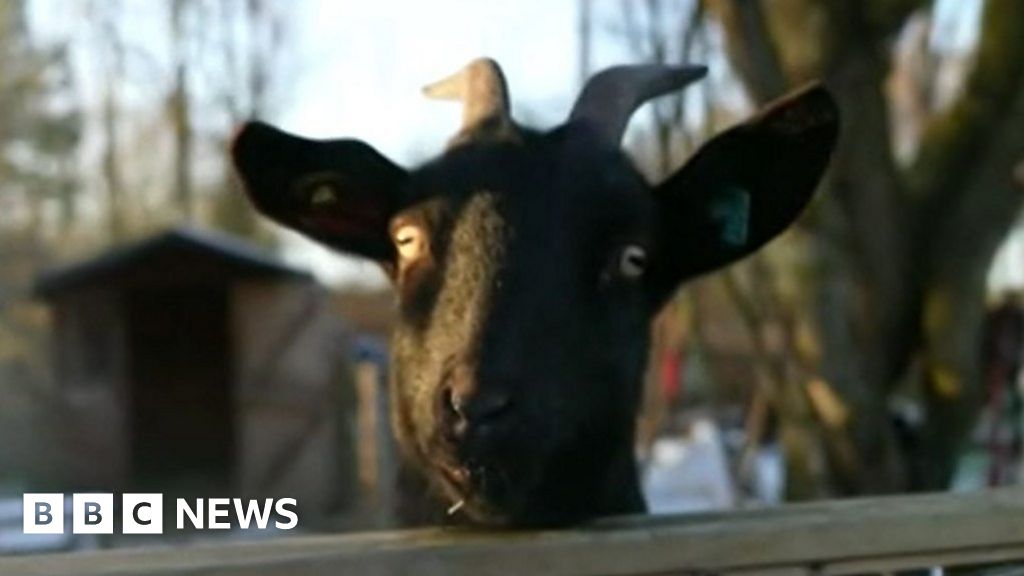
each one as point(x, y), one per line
point(887, 17)
point(751, 48)
point(954, 142)
point(972, 227)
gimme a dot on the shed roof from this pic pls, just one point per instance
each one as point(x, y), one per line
point(235, 257)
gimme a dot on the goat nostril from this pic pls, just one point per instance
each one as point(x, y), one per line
point(480, 413)
point(453, 417)
point(451, 403)
point(487, 413)
point(493, 407)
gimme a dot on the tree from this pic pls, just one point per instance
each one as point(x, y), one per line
point(253, 54)
point(111, 49)
point(165, 111)
point(39, 125)
point(902, 248)
point(179, 110)
point(39, 133)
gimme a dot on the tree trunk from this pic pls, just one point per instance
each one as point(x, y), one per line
point(903, 253)
point(180, 113)
point(111, 115)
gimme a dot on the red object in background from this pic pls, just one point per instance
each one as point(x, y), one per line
point(671, 380)
point(1002, 345)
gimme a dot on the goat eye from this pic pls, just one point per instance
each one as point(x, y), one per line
point(410, 241)
point(632, 262)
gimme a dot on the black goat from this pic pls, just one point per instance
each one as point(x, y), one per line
point(528, 266)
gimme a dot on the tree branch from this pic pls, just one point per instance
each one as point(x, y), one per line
point(869, 188)
point(991, 198)
point(887, 17)
point(954, 142)
point(751, 48)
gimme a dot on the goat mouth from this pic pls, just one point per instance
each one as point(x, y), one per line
point(471, 476)
point(489, 488)
point(459, 476)
point(480, 486)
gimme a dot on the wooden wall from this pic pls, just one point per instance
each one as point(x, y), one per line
point(295, 396)
point(293, 393)
point(91, 362)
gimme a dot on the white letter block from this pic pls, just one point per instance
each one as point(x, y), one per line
point(42, 513)
point(92, 514)
point(142, 514)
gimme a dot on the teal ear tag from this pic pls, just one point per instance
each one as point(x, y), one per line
point(732, 209)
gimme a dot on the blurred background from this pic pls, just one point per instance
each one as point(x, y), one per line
point(156, 335)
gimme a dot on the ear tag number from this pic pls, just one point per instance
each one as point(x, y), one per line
point(732, 210)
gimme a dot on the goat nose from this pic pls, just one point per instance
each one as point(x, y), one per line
point(480, 412)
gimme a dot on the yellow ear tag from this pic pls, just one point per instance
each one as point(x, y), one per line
point(323, 195)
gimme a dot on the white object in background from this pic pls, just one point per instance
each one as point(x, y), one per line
point(689, 474)
point(769, 475)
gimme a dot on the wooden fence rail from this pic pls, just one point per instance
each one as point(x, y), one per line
point(864, 536)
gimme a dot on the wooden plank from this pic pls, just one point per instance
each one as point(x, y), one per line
point(945, 559)
point(837, 534)
point(784, 571)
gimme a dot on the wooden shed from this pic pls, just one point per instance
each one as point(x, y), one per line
point(193, 364)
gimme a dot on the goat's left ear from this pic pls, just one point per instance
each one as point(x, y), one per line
point(341, 193)
point(742, 188)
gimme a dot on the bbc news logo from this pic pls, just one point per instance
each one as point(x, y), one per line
point(144, 513)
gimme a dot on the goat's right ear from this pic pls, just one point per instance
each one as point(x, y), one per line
point(742, 188)
point(341, 193)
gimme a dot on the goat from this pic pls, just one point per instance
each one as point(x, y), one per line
point(528, 265)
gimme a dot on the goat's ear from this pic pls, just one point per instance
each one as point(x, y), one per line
point(341, 193)
point(742, 188)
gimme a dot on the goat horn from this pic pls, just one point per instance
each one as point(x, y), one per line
point(610, 97)
point(480, 85)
